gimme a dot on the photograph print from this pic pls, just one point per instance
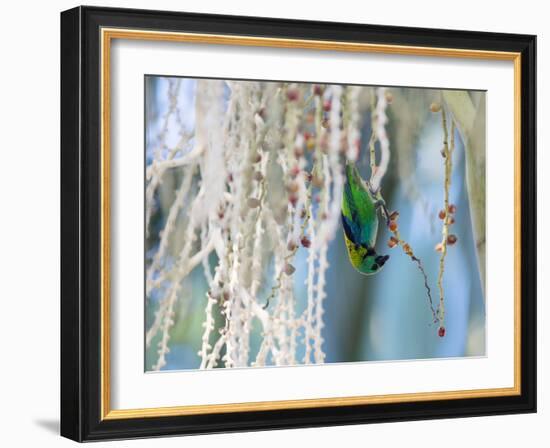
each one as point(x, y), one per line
point(307, 223)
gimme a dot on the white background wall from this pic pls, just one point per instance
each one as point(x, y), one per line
point(29, 220)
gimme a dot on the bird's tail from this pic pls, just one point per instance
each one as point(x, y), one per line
point(352, 175)
point(351, 171)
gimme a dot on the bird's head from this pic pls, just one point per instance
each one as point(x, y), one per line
point(372, 264)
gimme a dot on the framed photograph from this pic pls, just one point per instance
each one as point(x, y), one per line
point(275, 224)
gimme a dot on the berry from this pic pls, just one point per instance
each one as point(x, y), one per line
point(441, 332)
point(293, 199)
point(292, 94)
point(305, 242)
point(442, 214)
point(392, 226)
point(327, 106)
point(261, 112)
point(435, 107)
point(289, 269)
point(452, 209)
point(293, 187)
point(451, 239)
point(317, 181)
point(317, 89)
point(298, 152)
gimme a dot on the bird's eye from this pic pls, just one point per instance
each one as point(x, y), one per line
point(381, 259)
point(374, 267)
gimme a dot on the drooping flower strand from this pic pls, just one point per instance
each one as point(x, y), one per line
point(380, 99)
point(448, 211)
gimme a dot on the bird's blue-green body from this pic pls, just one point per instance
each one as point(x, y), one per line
point(360, 223)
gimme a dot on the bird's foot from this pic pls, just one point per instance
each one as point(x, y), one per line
point(380, 204)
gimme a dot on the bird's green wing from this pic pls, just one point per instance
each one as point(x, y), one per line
point(359, 209)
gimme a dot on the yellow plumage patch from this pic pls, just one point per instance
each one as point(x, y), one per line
point(356, 255)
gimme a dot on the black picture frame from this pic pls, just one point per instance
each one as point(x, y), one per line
point(81, 224)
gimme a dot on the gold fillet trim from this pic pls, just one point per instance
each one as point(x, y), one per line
point(517, 222)
point(105, 225)
point(355, 47)
point(304, 404)
point(107, 34)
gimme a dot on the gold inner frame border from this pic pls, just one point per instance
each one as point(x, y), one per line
point(107, 35)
